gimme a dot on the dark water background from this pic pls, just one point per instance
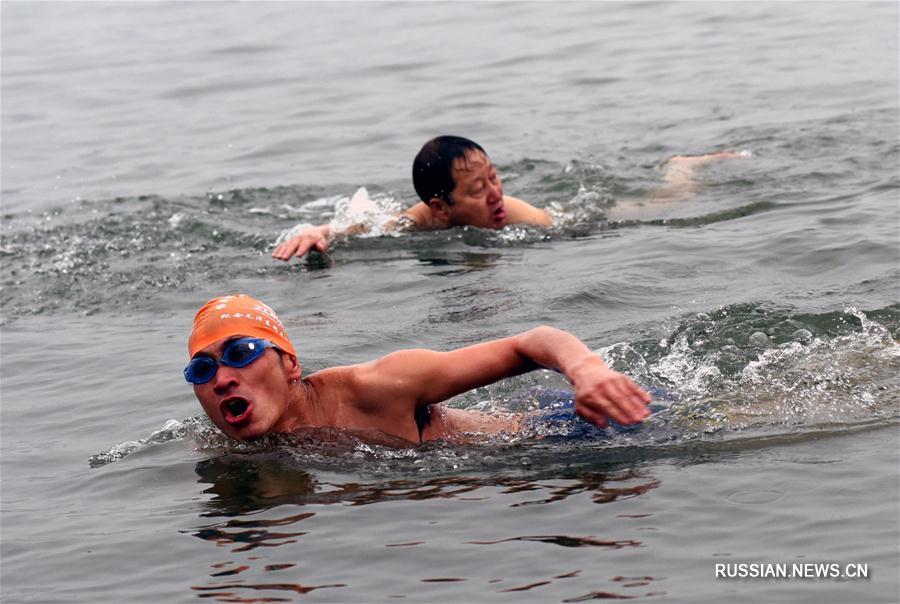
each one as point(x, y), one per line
point(152, 153)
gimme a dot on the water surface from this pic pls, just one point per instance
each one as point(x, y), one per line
point(153, 152)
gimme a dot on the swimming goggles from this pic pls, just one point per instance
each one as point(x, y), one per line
point(238, 353)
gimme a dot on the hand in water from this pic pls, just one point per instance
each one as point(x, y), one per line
point(602, 393)
point(312, 238)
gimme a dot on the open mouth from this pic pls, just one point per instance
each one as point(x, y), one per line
point(236, 409)
point(499, 213)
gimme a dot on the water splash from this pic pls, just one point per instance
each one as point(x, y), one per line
point(362, 214)
point(126, 251)
point(172, 430)
point(133, 250)
point(376, 215)
point(583, 213)
point(852, 377)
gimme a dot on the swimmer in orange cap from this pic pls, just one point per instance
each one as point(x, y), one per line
point(246, 376)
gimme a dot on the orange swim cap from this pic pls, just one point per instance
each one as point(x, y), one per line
point(237, 315)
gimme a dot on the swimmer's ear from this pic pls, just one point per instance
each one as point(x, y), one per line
point(440, 209)
point(291, 367)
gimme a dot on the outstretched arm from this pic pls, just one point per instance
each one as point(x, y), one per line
point(415, 378)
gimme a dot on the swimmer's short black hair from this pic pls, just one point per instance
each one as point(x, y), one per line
point(433, 166)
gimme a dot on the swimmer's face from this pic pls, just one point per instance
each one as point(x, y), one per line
point(478, 193)
point(248, 402)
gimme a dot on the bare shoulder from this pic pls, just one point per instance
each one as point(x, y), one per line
point(349, 389)
point(384, 381)
point(335, 382)
point(397, 368)
point(420, 215)
point(519, 211)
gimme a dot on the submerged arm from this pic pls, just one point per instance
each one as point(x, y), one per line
point(679, 173)
point(678, 184)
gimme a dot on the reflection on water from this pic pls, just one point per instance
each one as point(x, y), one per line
point(475, 298)
point(566, 541)
point(603, 487)
point(456, 263)
point(606, 595)
point(474, 302)
point(270, 504)
point(249, 536)
point(219, 595)
point(245, 485)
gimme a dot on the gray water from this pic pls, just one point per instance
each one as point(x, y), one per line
point(152, 153)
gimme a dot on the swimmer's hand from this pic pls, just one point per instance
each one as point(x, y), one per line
point(602, 393)
point(311, 238)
